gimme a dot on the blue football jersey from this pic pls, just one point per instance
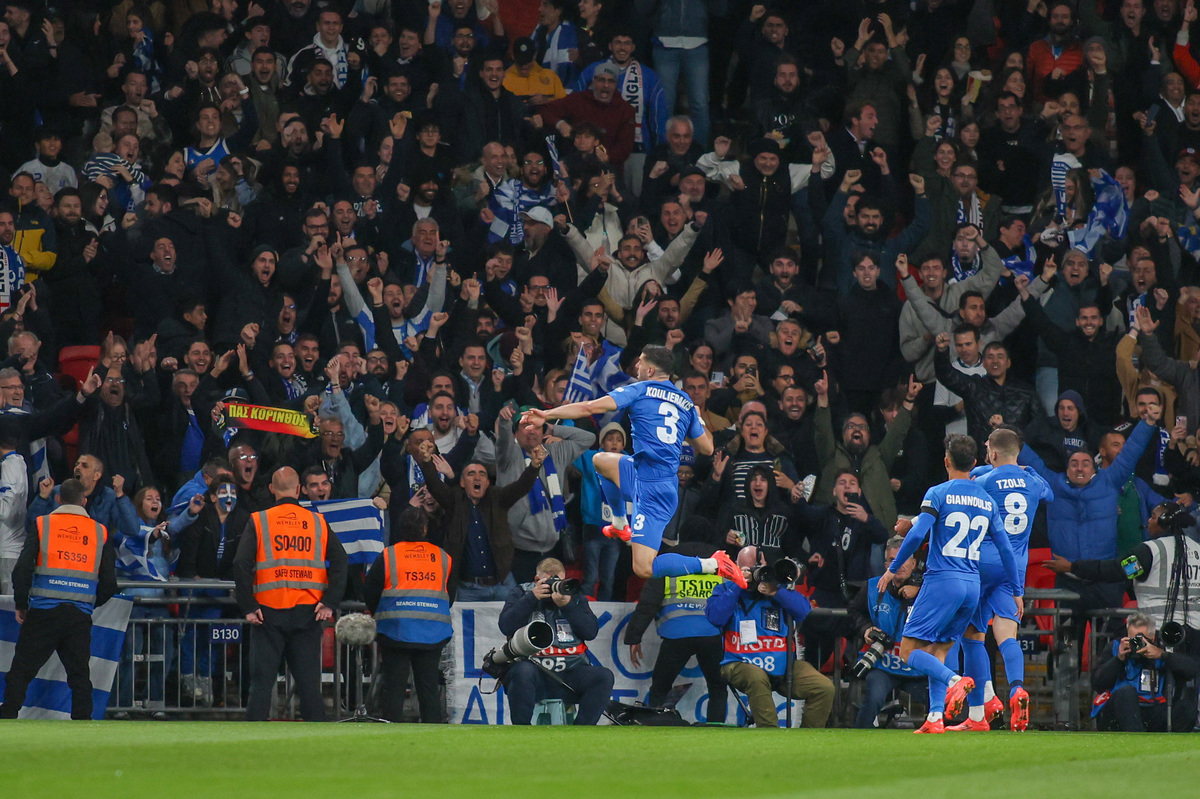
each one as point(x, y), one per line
point(662, 418)
point(964, 513)
point(1017, 493)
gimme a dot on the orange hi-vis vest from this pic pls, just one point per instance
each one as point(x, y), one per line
point(291, 557)
point(415, 605)
point(68, 561)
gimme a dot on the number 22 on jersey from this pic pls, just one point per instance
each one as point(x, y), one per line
point(965, 526)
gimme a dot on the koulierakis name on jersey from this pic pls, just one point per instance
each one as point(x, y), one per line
point(669, 396)
point(967, 499)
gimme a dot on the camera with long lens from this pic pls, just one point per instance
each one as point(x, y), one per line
point(1172, 634)
point(563, 585)
point(880, 643)
point(783, 572)
point(525, 642)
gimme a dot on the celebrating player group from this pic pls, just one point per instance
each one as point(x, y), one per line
point(977, 524)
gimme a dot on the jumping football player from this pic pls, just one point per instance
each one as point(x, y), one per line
point(662, 418)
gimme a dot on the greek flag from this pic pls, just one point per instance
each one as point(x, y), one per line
point(590, 380)
point(357, 523)
point(48, 696)
point(1109, 215)
point(135, 563)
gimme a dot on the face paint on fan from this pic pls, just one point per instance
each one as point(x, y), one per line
point(227, 496)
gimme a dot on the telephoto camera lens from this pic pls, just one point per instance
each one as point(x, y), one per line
point(566, 587)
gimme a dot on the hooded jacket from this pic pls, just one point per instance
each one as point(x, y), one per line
point(1082, 520)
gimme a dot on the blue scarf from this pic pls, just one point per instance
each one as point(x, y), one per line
point(550, 488)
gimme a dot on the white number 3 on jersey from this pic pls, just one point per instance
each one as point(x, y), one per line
point(639, 521)
point(669, 434)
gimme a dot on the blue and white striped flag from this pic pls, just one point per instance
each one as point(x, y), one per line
point(357, 523)
point(1109, 215)
point(48, 696)
point(133, 562)
point(590, 380)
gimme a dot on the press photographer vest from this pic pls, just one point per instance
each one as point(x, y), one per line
point(68, 563)
point(415, 604)
point(890, 615)
point(1154, 591)
point(1145, 676)
point(290, 562)
point(567, 651)
point(682, 612)
point(767, 646)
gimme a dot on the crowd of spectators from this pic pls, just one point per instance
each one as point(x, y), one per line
point(859, 224)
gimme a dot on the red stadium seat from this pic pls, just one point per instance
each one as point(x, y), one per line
point(1038, 576)
point(75, 361)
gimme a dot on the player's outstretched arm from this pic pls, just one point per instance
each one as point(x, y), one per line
point(574, 410)
point(703, 444)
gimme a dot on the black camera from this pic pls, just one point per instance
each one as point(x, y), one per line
point(880, 643)
point(1137, 642)
point(564, 586)
point(783, 572)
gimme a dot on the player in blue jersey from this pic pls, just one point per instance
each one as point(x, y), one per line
point(957, 516)
point(1017, 492)
point(663, 418)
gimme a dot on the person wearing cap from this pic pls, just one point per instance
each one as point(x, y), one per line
point(602, 107)
point(600, 553)
point(639, 86)
point(530, 80)
point(762, 191)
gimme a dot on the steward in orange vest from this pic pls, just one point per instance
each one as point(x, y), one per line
point(67, 567)
point(407, 590)
point(290, 572)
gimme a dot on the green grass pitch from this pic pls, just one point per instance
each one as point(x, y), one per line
point(175, 760)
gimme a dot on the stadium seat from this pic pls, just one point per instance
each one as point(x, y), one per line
point(76, 361)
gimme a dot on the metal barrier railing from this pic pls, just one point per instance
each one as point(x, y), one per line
point(186, 651)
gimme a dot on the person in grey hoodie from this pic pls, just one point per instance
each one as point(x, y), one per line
point(538, 519)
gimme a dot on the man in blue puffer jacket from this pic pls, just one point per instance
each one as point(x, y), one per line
point(1082, 519)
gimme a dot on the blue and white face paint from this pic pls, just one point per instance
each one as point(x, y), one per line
point(226, 497)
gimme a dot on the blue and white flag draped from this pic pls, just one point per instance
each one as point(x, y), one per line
point(134, 563)
point(1109, 215)
point(357, 523)
point(592, 379)
point(48, 696)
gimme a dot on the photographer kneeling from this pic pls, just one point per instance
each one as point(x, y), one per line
point(754, 624)
point(879, 619)
point(1131, 685)
point(561, 671)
